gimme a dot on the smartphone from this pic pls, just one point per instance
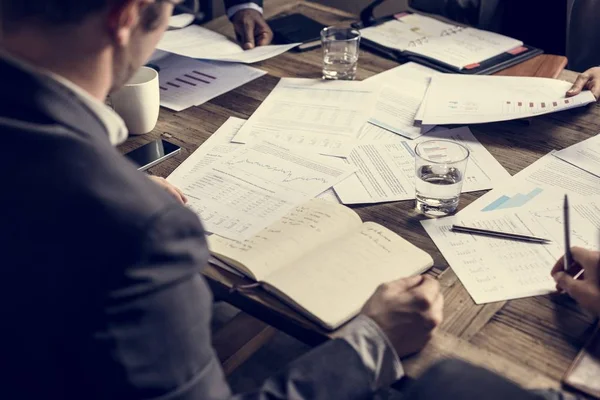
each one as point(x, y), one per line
point(152, 153)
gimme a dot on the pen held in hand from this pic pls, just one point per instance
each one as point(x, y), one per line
point(568, 259)
point(501, 235)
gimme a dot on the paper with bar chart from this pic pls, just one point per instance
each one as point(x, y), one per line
point(185, 82)
point(547, 179)
point(256, 185)
point(457, 99)
point(494, 269)
point(386, 171)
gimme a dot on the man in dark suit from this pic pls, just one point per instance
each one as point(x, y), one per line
point(102, 295)
point(250, 26)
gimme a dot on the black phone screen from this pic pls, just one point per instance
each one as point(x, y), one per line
point(151, 153)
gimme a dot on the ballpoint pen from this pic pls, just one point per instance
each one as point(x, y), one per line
point(568, 258)
point(502, 235)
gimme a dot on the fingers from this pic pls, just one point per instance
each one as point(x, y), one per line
point(579, 84)
point(263, 33)
point(426, 294)
point(248, 34)
point(594, 87)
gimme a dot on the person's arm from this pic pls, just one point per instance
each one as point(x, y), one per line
point(250, 26)
point(156, 340)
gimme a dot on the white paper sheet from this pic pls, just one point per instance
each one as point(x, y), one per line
point(585, 155)
point(393, 34)
point(254, 186)
point(546, 179)
point(198, 42)
point(465, 47)
point(386, 172)
point(493, 269)
point(458, 99)
point(402, 91)
point(186, 82)
point(180, 20)
point(320, 116)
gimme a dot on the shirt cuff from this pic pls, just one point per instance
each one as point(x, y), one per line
point(375, 350)
point(244, 6)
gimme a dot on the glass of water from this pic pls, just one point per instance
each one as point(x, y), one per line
point(340, 52)
point(440, 171)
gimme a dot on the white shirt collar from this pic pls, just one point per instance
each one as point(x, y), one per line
point(114, 124)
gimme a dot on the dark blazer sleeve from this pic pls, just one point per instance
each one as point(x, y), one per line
point(158, 337)
point(231, 3)
point(484, 14)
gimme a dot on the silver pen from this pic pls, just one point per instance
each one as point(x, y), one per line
point(568, 258)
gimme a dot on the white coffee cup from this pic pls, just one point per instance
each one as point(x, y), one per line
point(138, 102)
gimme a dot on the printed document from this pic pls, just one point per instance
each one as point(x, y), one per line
point(457, 99)
point(254, 186)
point(198, 42)
point(493, 269)
point(546, 179)
point(186, 82)
point(321, 116)
point(386, 172)
point(585, 155)
point(402, 91)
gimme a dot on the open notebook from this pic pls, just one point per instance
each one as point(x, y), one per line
point(322, 260)
point(443, 46)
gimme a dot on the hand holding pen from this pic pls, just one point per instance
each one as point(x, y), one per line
point(585, 290)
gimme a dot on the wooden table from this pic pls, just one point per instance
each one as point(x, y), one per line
point(531, 340)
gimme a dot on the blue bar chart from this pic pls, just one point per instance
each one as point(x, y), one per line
point(518, 200)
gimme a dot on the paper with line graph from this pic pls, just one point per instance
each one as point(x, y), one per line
point(256, 185)
point(185, 82)
point(458, 99)
point(493, 269)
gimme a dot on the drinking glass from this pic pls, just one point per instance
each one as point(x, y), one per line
point(440, 170)
point(340, 52)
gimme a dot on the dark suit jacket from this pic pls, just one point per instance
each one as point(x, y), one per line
point(102, 296)
point(231, 3)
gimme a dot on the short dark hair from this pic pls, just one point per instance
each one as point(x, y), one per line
point(58, 12)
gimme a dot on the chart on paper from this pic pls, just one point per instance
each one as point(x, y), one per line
point(518, 200)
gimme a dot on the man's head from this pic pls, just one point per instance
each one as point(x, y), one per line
point(108, 37)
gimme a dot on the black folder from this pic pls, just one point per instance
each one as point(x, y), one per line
point(486, 67)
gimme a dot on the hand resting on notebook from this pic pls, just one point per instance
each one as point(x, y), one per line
point(586, 290)
point(407, 311)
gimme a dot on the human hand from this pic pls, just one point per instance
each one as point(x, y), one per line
point(407, 311)
point(174, 191)
point(251, 29)
point(586, 290)
point(589, 80)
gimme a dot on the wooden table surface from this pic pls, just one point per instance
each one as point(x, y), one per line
point(531, 340)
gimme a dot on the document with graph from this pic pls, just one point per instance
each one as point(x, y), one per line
point(402, 91)
point(319, 116)
point(322, 260)
point(255, 185)
point(386, 171)
point(459, 99)
point(185, 82)
point(546, 179)
point(493, 269)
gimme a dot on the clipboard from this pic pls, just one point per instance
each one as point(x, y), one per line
point(486, 67)
point(584, 373)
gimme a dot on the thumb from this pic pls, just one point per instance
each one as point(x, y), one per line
point(248, 35)
point(406, 284)
point(578, 85)
point(575, 288)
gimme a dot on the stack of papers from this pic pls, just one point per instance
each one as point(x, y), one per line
point(198, 42)
point(458, 99)
point(585, 155)
point(185, 82)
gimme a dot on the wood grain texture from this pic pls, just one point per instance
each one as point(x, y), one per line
point(531, 340)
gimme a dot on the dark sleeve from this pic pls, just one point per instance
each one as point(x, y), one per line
point(158, 331)
point(484, 14)
point(231, 3)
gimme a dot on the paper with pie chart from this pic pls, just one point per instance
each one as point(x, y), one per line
point(256, 185)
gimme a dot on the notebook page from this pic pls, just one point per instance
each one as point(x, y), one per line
point(305, 228)
point(392, 34)
point(466, 47)
point(333, 284)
